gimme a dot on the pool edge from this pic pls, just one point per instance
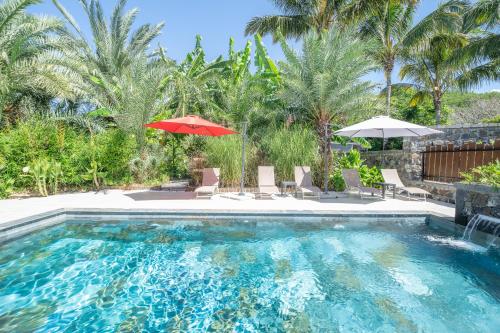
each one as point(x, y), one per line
point(18, 228)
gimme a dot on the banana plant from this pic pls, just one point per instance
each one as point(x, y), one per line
point(191, 82)
point(265, 65)
point(55, 173)
point(239, 61)
point(40, 171)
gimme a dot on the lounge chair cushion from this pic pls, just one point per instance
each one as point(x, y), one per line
point(310, 189)
point(370, 190)
point(210, 177)
point(206, 189)
point(266, 176)
point(353, 181)
point(414, 190)
point(392, 176)
point(268, 189)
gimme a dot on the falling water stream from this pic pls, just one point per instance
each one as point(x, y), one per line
point(487, 223)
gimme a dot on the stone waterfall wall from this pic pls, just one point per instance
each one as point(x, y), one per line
point(476, 199)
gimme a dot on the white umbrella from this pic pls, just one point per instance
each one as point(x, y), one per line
point(385, 127)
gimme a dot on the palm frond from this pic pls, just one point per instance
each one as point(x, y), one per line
point(446, 18)
point(482, 13)
point(10, 9)
point(476, 76)
point(288, 26)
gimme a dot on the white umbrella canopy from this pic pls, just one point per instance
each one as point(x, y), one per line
point(385, 127)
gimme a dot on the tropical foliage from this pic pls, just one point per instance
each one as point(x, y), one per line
point(482, 53)
point(486, 174)
point(73, 103)
point(323, 85)
point(225, 153)
point(352, 160)
point(430, 46)
point(386, 23)
point(29, 48)
point(299, 145)
point(297, 19)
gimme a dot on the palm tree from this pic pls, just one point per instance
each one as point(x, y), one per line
point(113, 49)
point(430, 46)
point(298, 18)
point(138, 95)
point(386, 22)
point(324, 84)
point(29, 48)
point(482, 54)
point(117, 72)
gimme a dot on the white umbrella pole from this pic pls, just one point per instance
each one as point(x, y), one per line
point(383, 147)
point(243, 144)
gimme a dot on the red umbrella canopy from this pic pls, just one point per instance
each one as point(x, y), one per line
point(191, 125)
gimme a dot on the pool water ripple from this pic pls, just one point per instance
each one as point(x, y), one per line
point(394, 275)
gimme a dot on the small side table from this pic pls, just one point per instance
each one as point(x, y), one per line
point(387, 186)
point(286, 185)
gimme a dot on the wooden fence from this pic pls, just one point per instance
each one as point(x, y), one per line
point(445, 163)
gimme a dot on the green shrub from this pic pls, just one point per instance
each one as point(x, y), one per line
point(225, 153)
point(287, 148)
point(352, 160)
point(115, 149)
point(493, 120)
point(149, 166)
point(46, 174)
point(486, 174)
point(75, 158)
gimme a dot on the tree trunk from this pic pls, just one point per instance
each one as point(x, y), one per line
point(388, 80)
point(325, 150)
point(437, 108)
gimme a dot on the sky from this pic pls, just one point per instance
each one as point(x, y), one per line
point(215, 20)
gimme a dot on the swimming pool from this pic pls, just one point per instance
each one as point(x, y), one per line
point(255, 275)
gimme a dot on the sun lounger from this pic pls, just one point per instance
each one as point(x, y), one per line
point(391, 176)
point(209, 183)
point(353, 182)
point(304, 182)
point(267, 185)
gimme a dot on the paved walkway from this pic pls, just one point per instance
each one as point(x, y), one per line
point(14, 209)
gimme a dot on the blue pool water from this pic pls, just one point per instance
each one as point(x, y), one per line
point(386, 275)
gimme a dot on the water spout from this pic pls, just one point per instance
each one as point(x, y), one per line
point(487, 223)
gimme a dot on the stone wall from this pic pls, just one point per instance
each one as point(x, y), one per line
point(439, 191)
point(474, 199)
point(458, 135)
point(401, 160)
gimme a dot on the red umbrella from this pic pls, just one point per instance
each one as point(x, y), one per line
point(191, 125)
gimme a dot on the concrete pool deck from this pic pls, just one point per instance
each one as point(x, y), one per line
point(16, 209)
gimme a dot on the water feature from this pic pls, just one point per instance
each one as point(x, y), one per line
point(248, 275)
point(483, 222)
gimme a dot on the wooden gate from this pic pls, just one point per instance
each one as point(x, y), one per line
point(445, 163)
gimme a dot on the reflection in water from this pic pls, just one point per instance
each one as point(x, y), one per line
point(225, 276)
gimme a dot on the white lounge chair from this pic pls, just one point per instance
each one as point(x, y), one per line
point(353, 182)
point(391, 176)
point(304, 182)
point(267, 185)
point(209, 184)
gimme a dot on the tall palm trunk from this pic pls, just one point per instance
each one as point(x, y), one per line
point(437, 108)
point(388, 88)
point(323, 131)
point(437, 94)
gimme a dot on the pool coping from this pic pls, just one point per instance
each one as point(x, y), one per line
point(165, 213)
point(20, 227)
